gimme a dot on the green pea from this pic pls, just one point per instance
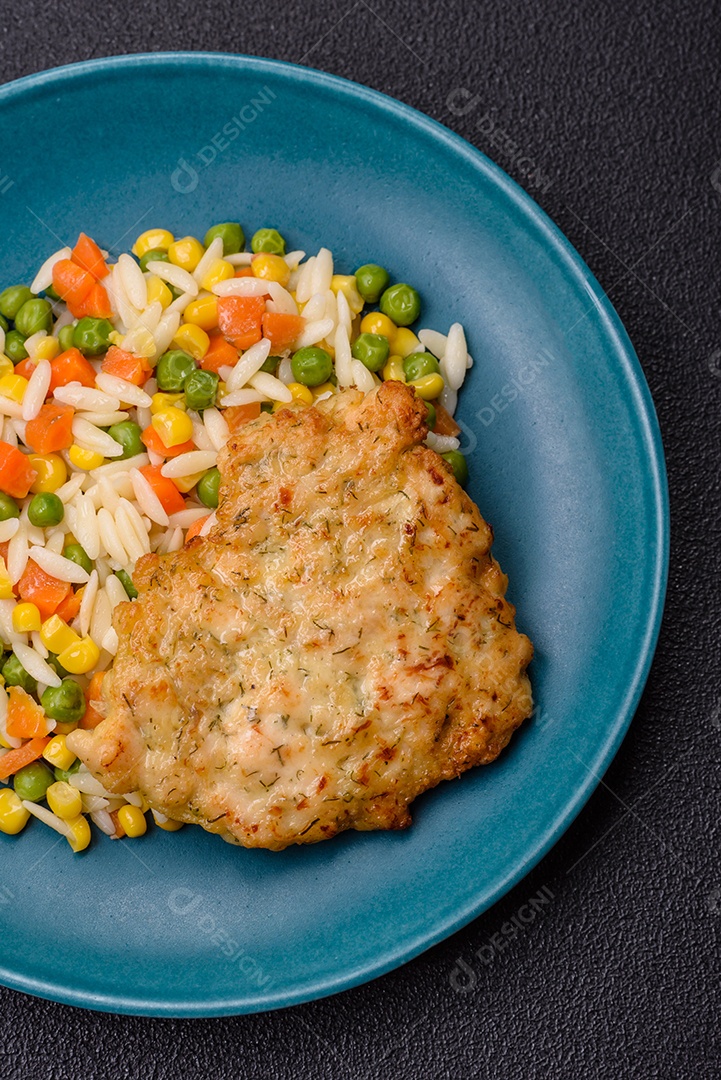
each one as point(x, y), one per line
point(15, 346)
point(401, 303)
point(12, 299)
point(371, 280)
point(46, 509)
point(8, 508)
point(77, 554)
point(431, 418)
point(127, 433)
point(419, 364)
point(231, 234)
point(372, 350)
point(51, 294)
point(65, 774)
point(459, 465)
point(127, 582)
point(32, 781)
point(268, 240)
point(92, 336)
point(311, 366)
point(33, 316)
point(65, 337)
point(65, 703)
point(173, 369)
point(270, 365)
point(15, 674)
point(201, 389)
point(208, 488)
point(266, 406)
point(154, 255)
point(4, 323)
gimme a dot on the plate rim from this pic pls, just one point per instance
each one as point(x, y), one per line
point(649, 435)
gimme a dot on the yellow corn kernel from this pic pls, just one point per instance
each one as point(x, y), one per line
point(85, 459)
point(56, 635)
point(116, 338)
point(166, 823)
point(404, 342)
point(51, 469)
point(324, 388)
point(13, 387)
point(26, 618)
point(79, 837)
point(56, 753)
point(159, 291)
point(152, 240)
point(393, 369)
point(162, 401)
point(6, 365)
point(186, 253)
point(6, 585)
point(301, 393)
point(186, 483)
point(47, 349)
point(203, 312)
point(173, 426)
point(64, 800)
point(346, 284)
point(429, 386)
point(375, 322)
point(133, 820)
point(271, 268)
point(80, 657)
point(219, 270)
point(193, 339)
point(13, 815)
point(4, 744)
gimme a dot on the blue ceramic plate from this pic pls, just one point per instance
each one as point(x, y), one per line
point(566, 462)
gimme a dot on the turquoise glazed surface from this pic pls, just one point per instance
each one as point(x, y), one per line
point(565, 459)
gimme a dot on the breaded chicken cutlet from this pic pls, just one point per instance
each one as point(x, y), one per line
point(336, 645)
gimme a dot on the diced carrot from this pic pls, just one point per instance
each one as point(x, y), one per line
point(17, 759)
point(170, 498)
point(124, 365)
point(445, 424)
point(240, 319)
point(26, 367)
point(93, 694)
point(95, 304)
point(16, 472)
point(243, 271)
point(196, 527)
point(282, 330)
point(153, 442)
point(71, 366)
point(25, 718)
point(70, 606)
point(71, 282)
point(237, 415)
point(39, 588)
point(4, 548)
point(88, 255)
point(220, 354)
point(51, 430)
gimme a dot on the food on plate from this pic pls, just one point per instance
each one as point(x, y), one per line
point(336, 644)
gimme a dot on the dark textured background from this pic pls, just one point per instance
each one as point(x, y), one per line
point(608, 114)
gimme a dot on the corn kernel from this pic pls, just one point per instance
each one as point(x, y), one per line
point(3, 742)
point(158, 291)
point(324, 388)
point(346, 284)
point(193, 339)
point(6, 585)
point(173, 426)
point(271, 268)
point(186, 253)
point(13, 387)
point(56, 753)
point(85, 459)
point(166, 823)
point(64, 800)
point(429, 386)
point(51, 469)
point(203, 312)
point(219, 270)
point(375, 322)
point(47, 349)
point(186, 483)
point(6, 365)
point(56, 635)
point(301, 393)
point(152, 240)
point(404, 342)
point(132, 820)
point(161, 401)
point(116, 338)
point(80, 657)
point(26, 618)
point(393, 370)
point(79, 837)
point(13, 815)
